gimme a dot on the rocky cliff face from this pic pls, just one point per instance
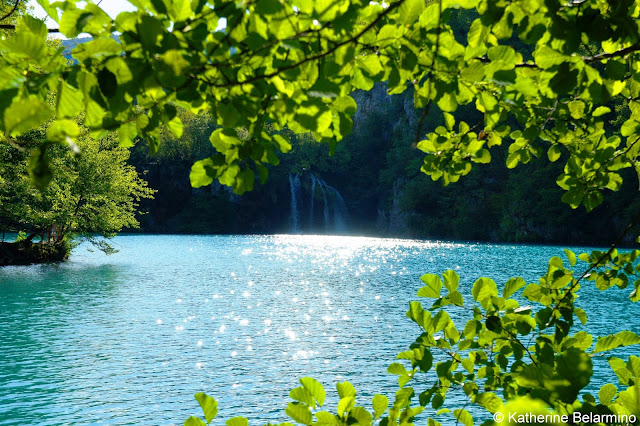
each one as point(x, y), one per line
point(369, 102)
point(399, 111)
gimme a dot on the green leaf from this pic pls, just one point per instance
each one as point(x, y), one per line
point(554, 153)
point(477, 33)
point(581, 314)
point(601, 110)
point(576, 108)
point(223, 139)
point(546, 57)
point(73, 22)
point(208, 404)
point(69, 101)
point(314, 388)
point(396, 368)
point(441, 321)
point(451, 280)
point(127, 133)
point(283, 144)
point(432, 288)
point(463, 417)
point(300, 413)
point(202, 173)
point(345, 389)
point(456, 298)
point(362, 416)
point(380, 404)
point(300, 394)
point(409, 11)
point(571, 256)
point(493, 323)
point(61, 130)
point(324, 418)
point(26, 43)
point(513, 285)
point(504, 54)
point(607, 392)
point(490, 401)
point(176, 127)
point(39, 167)
point(630, 399)
point(237, 421)
point(628, 338)
point(483, 289)
point(346, 404)
point(194, 421)
point(179, 10)
point(623, 338)
point(25, 114)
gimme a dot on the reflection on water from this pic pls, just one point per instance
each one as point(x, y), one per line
point(131, 337)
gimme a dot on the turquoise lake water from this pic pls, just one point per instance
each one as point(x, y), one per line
point(129, 338)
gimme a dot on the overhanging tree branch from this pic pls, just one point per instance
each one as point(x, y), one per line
point(278, 71)
point(13, 27)
point(12, 11)
point(600, 262)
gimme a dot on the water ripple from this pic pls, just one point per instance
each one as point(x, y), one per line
point(130, 338)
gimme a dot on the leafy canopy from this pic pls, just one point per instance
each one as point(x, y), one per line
point(546, 76)
point(95, 192)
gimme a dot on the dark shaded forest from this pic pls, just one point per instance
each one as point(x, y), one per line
point(376, 173)
point(373, 185)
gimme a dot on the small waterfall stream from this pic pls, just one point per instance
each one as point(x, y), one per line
point(294, 186)
point(313, 190)
point(334, 217)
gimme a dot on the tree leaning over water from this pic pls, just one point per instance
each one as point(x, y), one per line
point(93, 192)
point(549, 78)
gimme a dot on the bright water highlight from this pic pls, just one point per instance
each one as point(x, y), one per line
point(130, 338)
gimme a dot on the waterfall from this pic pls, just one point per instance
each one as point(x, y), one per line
point(326, 206)
point(340, 213)
point(294, 186)
point(313, 196)
point(335, 216)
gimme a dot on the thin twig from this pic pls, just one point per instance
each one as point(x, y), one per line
point(595, 265)
point(15, 6)
point(431, 70)
point(314, 57)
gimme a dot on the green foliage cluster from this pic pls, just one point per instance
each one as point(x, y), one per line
point(93, 191)
point(377, 172)
point(542, 76)
point(545, 76)
point(507, 358)
point(294, 64)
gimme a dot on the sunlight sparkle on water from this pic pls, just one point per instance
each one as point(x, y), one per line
point(347, 303)
point(290, 334)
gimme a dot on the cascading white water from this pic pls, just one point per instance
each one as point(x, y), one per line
point(334, 209)
point(326, 206)
point(340, 213)
point(294, 186)
point(313, 196)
